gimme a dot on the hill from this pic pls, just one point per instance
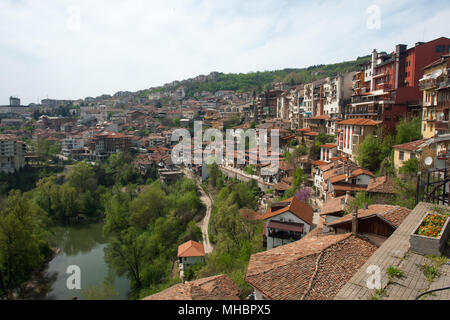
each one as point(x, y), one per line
point(259, 81)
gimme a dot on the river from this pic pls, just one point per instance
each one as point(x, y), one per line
point(80, 246)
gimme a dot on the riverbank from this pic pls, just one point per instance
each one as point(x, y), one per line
point(82, 245)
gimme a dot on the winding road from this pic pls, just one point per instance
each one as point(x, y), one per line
point(204, 224)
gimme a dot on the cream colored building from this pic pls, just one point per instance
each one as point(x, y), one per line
point(12, 153)
point(433, 84)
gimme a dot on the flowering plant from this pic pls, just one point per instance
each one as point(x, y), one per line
point(432, 225)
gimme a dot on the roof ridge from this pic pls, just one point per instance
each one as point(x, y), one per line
point(316, 269)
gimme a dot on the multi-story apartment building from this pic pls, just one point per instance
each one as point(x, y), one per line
point(71, 144)
point(12, 153)
point(436, 98)
point(266, 105)
point(14, 102)
point(336, 94)
point(352, 132)
point(106, 143)
point(394, 83)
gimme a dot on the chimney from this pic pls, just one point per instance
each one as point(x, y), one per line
point(365, 206)
point(183, 278)
point(374, 64)
point(355, 222)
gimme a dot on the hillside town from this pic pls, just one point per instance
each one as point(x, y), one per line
point(356, 176)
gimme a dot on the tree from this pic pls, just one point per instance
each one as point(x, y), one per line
point(65, 202)
point(148, 206)
point(303, 194)
point(408, 130)
point(82, 177)
point(128, 253)
point(410, 166)
point(370, 153)
point(22, 244)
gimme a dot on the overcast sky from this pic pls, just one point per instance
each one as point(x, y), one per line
point(74, 49)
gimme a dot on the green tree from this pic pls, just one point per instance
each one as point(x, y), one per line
point(22, 245)
point(82, 177)
point(411, 166)
point(128, 254)
point(408, 130)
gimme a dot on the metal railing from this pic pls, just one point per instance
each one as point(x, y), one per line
point(434, 186)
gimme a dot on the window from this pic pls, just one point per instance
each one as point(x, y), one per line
point(440, 48)
point(402, 155)
point(413, 155)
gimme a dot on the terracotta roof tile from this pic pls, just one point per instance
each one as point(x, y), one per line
point(191, 249)
point(293, 205)
point(213, 288)
point(394, 214)
point(336, 205)
point(319, 163)
point(360, 122)
point(411, 146)
point(381, 185)
point(314, 268)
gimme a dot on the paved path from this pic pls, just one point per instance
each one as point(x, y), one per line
point(204, 224)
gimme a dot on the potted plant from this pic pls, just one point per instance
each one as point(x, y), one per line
point(431, 234)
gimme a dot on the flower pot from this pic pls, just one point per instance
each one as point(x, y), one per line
point(429, 245)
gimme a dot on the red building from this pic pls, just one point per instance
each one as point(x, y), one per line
point(106, 143)
point(394, 83)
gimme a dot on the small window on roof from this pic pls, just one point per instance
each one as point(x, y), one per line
point(440, 48)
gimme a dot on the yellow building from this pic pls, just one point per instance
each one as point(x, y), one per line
point(410, 150)
point(434, 76)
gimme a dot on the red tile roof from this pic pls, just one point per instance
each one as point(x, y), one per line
point(393, 214)
point(336, 205)
point(321, 117)
point(293, 205)
point(360, 122)
point(319, 163)
point(338, 187)
point(328, 146)
point(213, 288)
point(314, 268)
point(191, 249)
point(381, 185)
point(411, 146)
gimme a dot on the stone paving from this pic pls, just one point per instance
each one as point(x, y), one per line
point(395, 252)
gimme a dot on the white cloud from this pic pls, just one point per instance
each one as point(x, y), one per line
point(135, 44)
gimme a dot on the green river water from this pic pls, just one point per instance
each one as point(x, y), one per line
point(82, 246)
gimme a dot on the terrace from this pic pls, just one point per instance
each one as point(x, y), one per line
point(412, 279)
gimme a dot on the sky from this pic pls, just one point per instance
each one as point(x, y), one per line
point(65, 49)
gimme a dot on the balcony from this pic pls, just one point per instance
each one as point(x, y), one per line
point(443, 125)
point(383, 86)
point(378, 75)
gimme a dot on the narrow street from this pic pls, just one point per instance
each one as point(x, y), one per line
point(204, 224)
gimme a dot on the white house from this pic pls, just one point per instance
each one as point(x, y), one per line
point(287, 221)
point(189, 254)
